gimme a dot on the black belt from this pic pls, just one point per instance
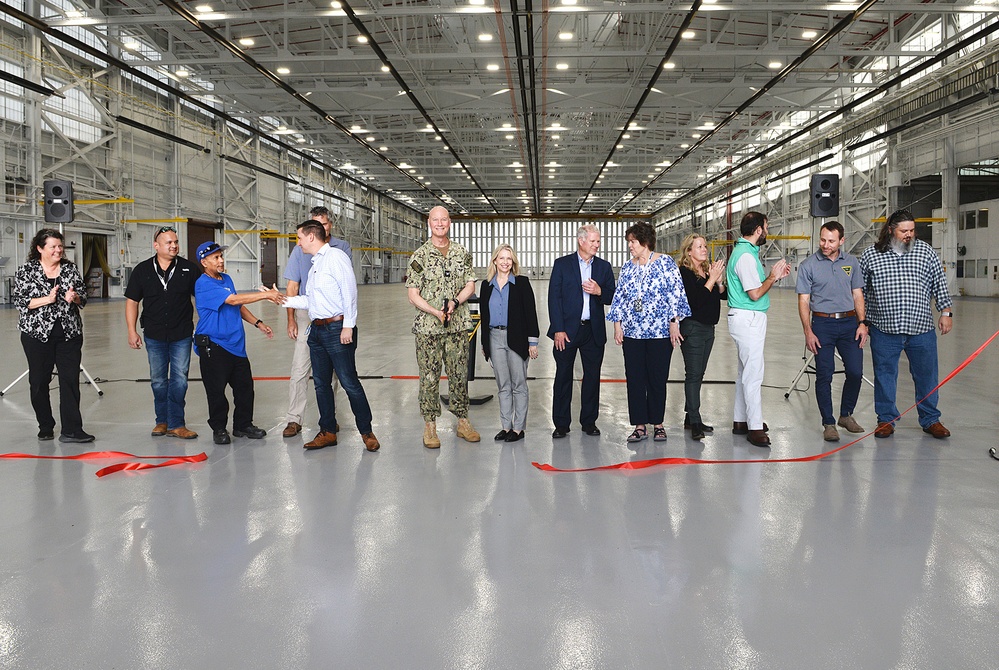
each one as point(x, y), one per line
point(497, 327)
point(326, 322)
point(584, 322)
point(836, 315)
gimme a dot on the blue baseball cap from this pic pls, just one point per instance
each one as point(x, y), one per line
point(206, 249)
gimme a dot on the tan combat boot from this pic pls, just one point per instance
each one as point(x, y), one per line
point(430, 439)
point(466, 432)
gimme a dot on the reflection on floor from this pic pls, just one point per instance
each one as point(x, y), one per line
point(882, 556)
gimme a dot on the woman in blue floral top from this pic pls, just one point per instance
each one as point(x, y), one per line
point(649, 303)
point(49, 292)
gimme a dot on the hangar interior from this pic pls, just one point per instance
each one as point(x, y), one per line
point(230, 119)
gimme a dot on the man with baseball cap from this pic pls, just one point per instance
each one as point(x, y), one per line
point(220, 343)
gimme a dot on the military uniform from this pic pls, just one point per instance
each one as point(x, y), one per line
point(440, 278)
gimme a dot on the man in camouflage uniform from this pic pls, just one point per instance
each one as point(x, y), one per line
point(440, 282)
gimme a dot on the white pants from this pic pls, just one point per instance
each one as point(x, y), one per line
point(749, 330)
point(301, 366)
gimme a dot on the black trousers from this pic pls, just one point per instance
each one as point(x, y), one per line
point(65, 355)
point(220, 368)
point(646, 369)
point(592, 356)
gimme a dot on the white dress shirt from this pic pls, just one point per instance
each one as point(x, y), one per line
point(331, 289)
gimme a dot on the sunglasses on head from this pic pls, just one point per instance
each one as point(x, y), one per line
point(164, 229)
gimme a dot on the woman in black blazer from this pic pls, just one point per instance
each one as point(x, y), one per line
point(509, 320)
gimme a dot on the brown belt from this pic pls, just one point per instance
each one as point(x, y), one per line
point(836, 315)
point(326, 322)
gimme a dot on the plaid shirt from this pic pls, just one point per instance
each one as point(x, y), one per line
point(897, 289)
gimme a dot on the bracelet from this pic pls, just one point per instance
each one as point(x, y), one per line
point(257, 324)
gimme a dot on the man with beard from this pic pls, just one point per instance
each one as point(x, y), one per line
point(748, 302)
point(901, 274)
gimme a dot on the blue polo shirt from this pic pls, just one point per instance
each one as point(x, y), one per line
point(830, 283)
point(219, 321)
point(299, 263)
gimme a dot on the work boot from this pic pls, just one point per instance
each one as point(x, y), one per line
point(466, 432)
point(430, 439)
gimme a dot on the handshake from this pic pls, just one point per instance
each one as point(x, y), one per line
point(273, 294)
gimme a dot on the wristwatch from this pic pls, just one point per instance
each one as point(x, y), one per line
point(257, 324)
point(948, 314)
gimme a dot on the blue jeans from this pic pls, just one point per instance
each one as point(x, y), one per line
point(837, 335)
point(921, 351)
point(328, 354)
point(169, 363)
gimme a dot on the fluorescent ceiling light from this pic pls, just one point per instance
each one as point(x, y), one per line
point(247, 42)
point(492, 67)
point(485, 37)
point(283, 70)
point(561, 66)
point(688, 34)
point(565, 36)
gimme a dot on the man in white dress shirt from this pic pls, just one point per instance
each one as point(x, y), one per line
point(331, 298)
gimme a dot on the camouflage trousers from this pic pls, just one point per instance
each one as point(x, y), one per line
point(452, 350)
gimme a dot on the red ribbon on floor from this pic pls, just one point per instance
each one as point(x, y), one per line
point(118, 467)
point(652, 462)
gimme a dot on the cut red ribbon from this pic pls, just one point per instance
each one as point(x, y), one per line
point(118, 467)
point(652, 462)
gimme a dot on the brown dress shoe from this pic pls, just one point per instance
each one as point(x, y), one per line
point(937, 430)
point(323, 439)
point(292, 429)
point(742, 428)
point(758, 438)
point(884, 430)
point(182, 432)
point(370, 441)
point(159, 430)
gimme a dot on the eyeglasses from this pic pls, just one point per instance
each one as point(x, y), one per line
point(164, 229)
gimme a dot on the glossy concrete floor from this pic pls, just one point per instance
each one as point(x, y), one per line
point(885, 555)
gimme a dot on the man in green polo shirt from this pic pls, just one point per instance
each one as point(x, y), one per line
point(748, 302)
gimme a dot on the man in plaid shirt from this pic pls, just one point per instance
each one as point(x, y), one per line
point(901, 274)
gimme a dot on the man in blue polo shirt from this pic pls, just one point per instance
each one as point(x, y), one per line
point(220, 343)
point(831, 307)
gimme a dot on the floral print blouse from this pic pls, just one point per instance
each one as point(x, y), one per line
point(647, 297)
point(30, 282)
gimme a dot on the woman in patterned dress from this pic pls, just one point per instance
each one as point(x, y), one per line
point(648, 304)
point(49, 292)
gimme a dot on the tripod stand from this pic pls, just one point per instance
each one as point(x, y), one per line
point(82, 369)
point(809, 368)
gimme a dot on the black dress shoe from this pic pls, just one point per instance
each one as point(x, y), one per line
point(250, 431)
point(221, 436)
point(697, 431)
point(514, 436)
point(46, 434)
point(500, 436)
point(560, 432)
point(706, 428)
point(591, 429)
point(78, 437)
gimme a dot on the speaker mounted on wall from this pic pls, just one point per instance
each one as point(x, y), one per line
point(58, 201)
point(824, 192)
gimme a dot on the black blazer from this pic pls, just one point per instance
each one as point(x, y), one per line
point(522, 318)
point(565, 297)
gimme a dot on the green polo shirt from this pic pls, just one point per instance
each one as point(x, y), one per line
point(737, 296)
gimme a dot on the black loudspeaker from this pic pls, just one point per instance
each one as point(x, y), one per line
point(58, 201)
point(824, 191)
